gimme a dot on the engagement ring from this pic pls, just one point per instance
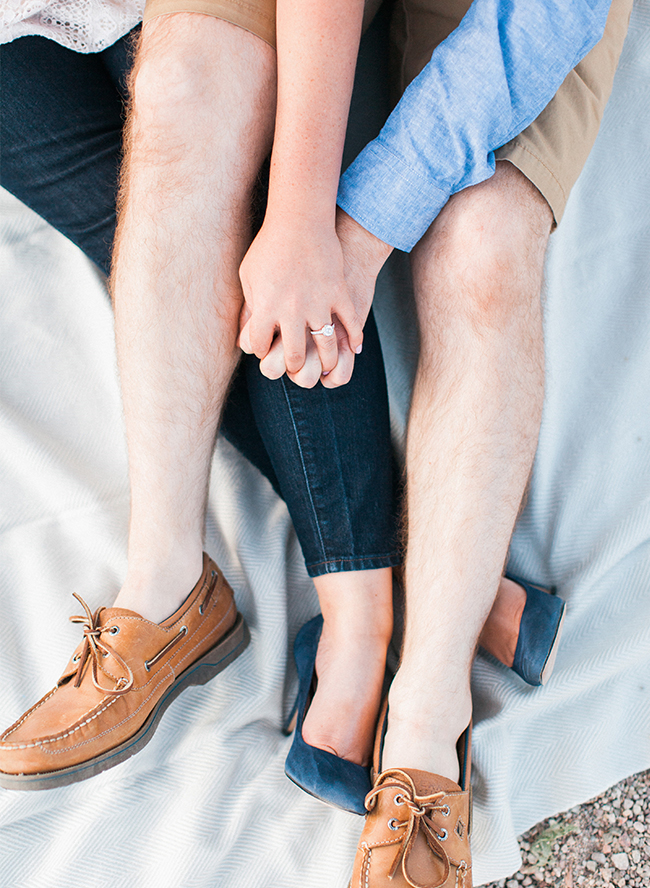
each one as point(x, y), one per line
point(325, 330)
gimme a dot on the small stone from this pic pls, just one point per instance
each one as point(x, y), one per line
point(627, 804)
point(620, 861)
point(598, 857)
point(591, 866)
point(639, 826)
point(636, 855)
point(637, 809)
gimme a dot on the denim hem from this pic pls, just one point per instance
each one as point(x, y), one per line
point(370, 562)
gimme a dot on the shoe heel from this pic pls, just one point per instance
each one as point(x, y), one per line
point(291, 720)
point(316, 771)
point(539, 633)
point(221, 655)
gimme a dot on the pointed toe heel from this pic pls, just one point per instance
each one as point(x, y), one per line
point(323, 775)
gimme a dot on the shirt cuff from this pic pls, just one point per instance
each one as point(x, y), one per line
point(388, 198)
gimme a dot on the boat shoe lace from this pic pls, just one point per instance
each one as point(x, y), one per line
point(95, 648)
point(419, 810)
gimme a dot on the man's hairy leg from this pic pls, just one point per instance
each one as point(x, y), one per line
point(472, 437)
point(203, 100)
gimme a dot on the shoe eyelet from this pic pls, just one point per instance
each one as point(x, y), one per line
point(392, 824)
point(146, 665)
point(443, 835)
point(114, 630)
point(399, 799)
point(445, 811)
point(76, 658)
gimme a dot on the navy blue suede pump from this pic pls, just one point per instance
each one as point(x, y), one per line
point(539, 633)
point(320, 773)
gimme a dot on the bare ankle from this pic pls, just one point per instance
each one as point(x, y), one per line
point(350, 663)
point(424, 727)
point(357, 606)
point(155, 589)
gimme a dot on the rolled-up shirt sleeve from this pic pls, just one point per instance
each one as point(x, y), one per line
point(484, 84)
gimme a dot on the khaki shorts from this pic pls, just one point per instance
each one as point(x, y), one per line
point(554, 148)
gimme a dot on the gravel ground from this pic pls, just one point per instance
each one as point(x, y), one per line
point(604, 843)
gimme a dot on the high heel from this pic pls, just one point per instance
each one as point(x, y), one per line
point(539, 633)
point(320, 773)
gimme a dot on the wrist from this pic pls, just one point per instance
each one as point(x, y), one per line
point(300, 215)
point(294, 205)
point(368, 248)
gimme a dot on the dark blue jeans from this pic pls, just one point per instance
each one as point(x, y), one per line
point(326, 452)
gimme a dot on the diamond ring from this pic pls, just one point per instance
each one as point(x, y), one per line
point(325, 330)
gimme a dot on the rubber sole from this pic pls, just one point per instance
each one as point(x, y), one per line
point(201, 671)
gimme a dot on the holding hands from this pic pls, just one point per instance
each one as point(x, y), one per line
point(296, 276)
point(298, 279)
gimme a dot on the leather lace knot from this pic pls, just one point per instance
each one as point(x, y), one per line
point(96, 648)
point(419, 811)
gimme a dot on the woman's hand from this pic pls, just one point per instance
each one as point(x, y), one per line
point(293, 282)
point(363, 256)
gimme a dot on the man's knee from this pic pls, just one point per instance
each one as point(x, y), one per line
point(482, 260)
point(187, 62)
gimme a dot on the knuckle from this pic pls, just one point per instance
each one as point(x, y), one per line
point(295, 360)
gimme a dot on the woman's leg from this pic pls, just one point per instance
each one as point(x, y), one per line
point(331, 452)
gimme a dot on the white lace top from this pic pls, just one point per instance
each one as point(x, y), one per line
point(82, 25)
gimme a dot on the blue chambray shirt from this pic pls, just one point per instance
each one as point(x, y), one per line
point(484, 84)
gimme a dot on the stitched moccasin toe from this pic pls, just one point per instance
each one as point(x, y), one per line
point(416, 833)
point(117, 684)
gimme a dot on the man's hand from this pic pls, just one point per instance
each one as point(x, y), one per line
point(363, 258)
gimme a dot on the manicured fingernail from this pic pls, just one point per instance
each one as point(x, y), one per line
point(358, 350)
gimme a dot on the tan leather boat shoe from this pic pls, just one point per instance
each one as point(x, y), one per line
point(417, 831)
point(122, 676)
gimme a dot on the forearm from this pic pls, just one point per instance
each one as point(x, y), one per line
point(317, 45)
point(483, 85)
